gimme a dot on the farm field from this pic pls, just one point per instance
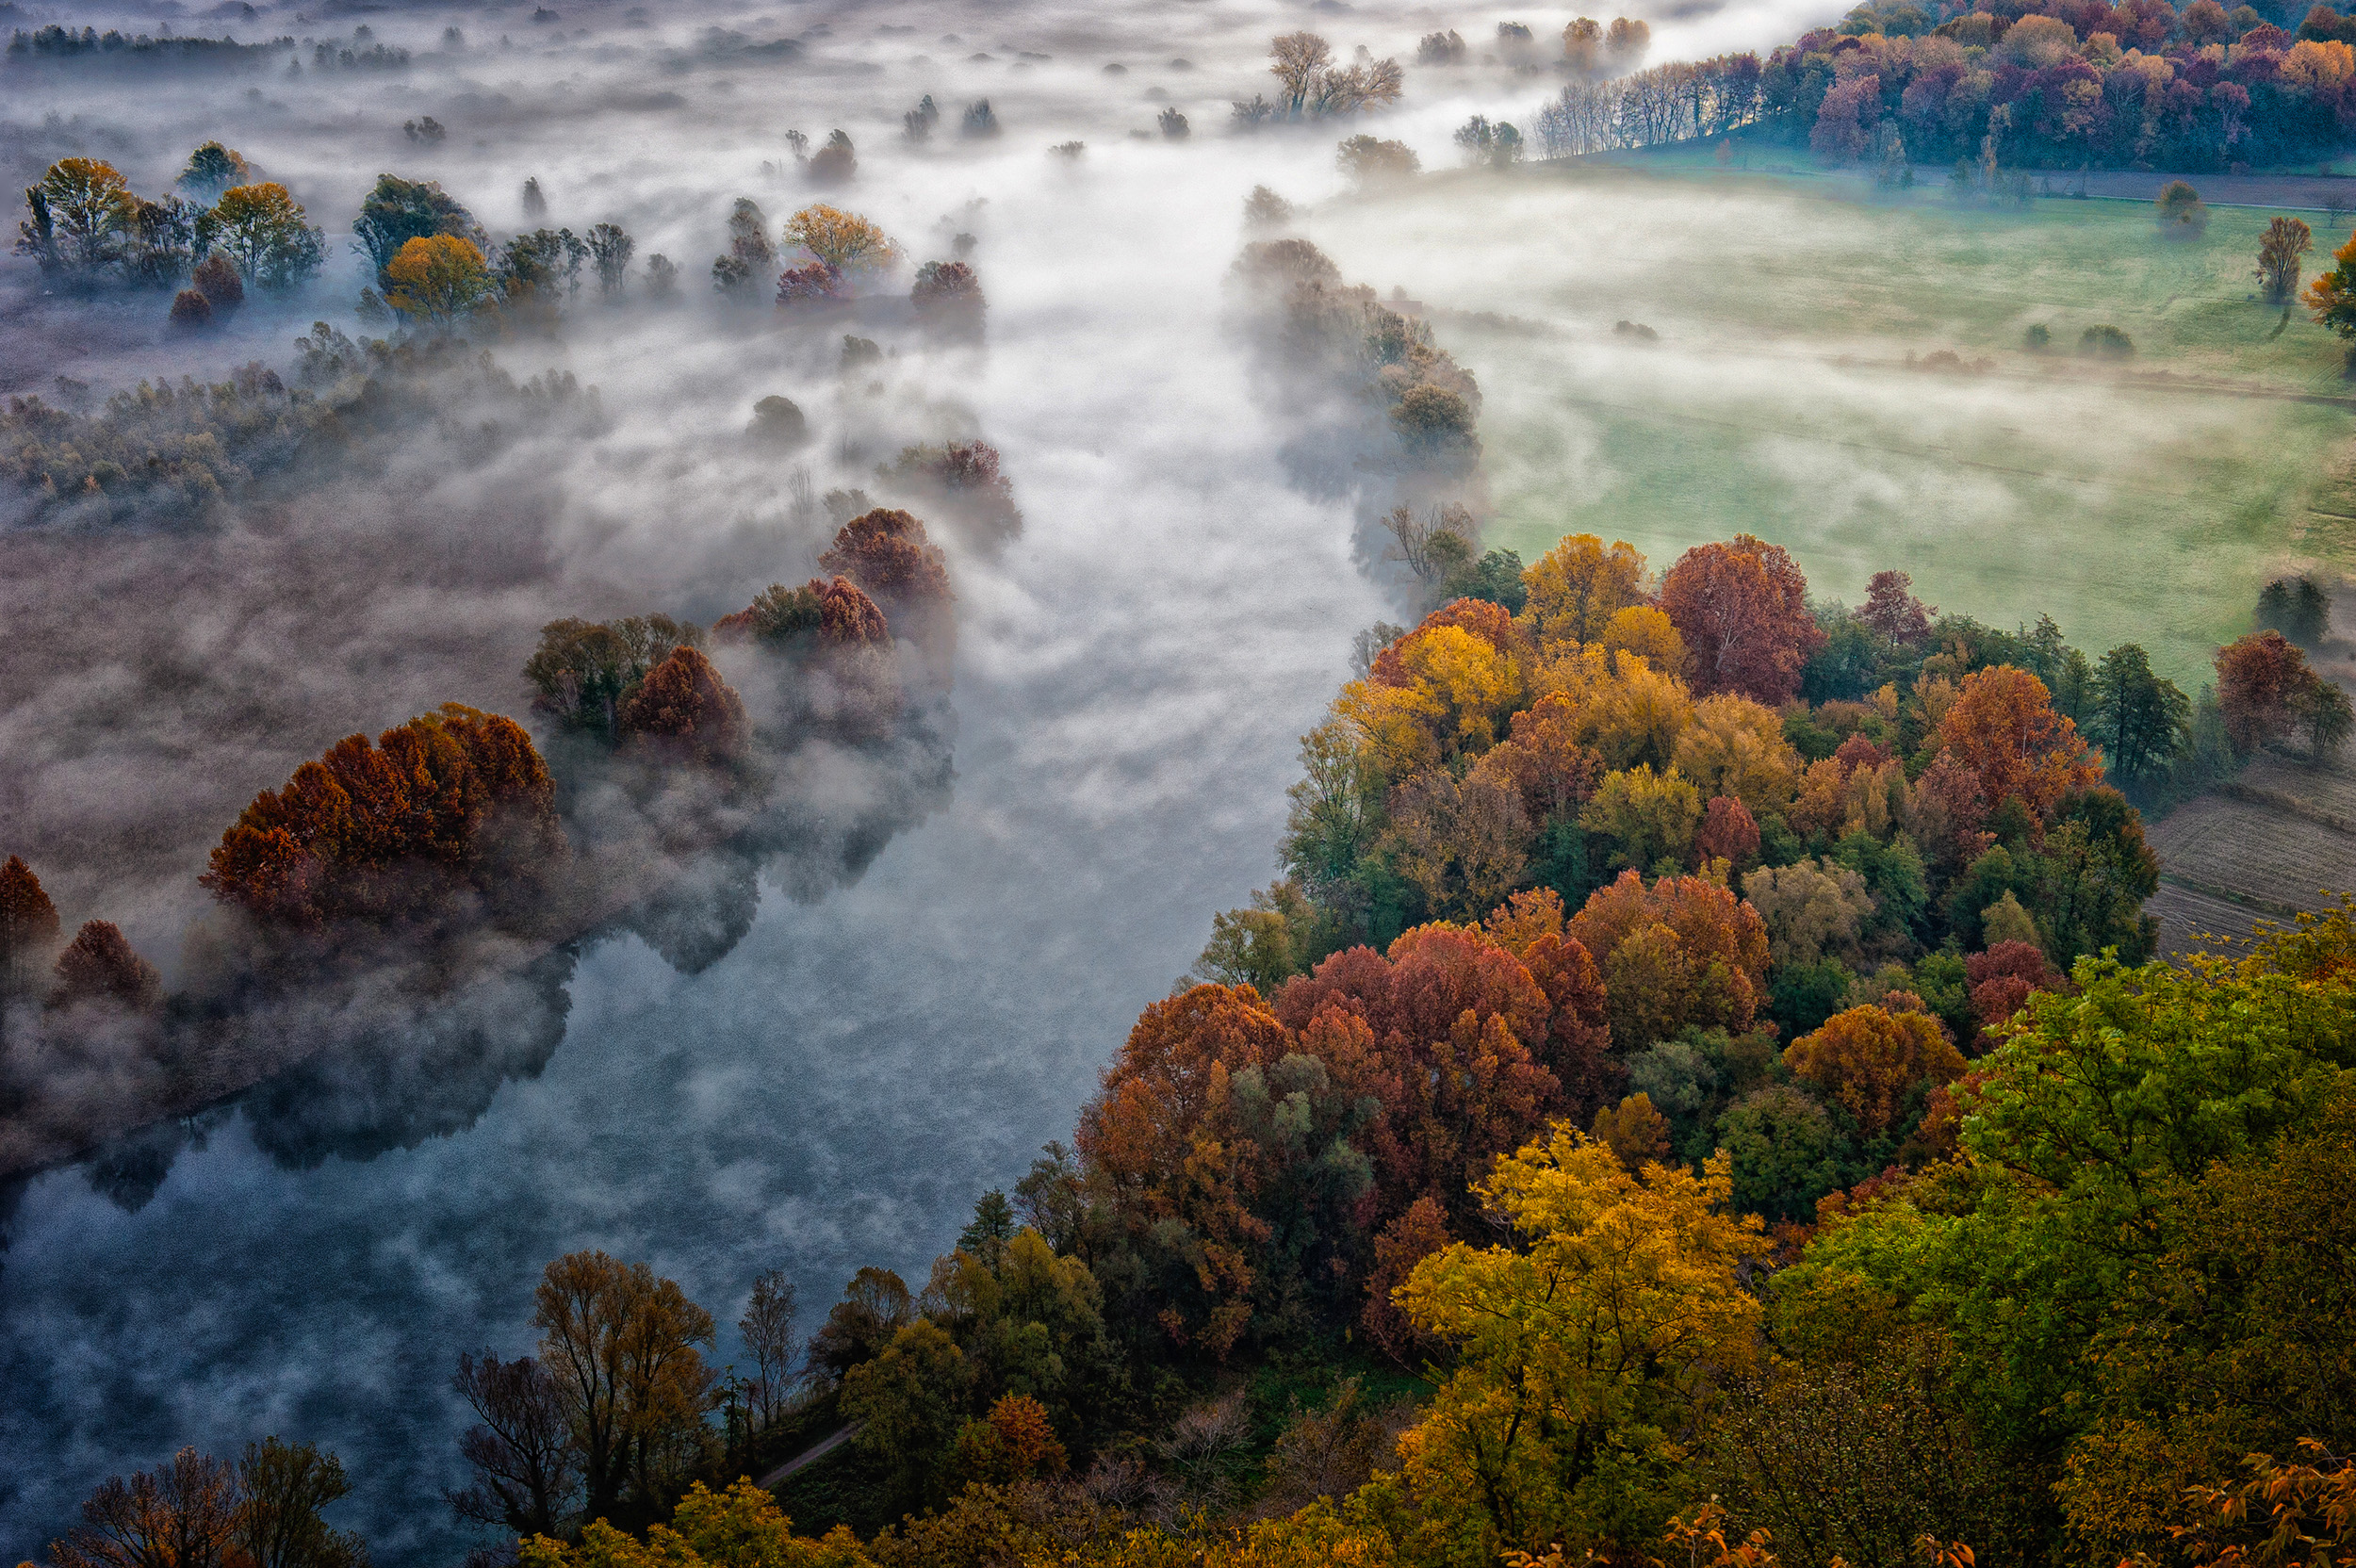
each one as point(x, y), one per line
point(2275, 840)
point(1777, 396)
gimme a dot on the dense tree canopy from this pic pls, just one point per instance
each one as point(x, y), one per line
point(454, 798)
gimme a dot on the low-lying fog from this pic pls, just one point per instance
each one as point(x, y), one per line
point(1131, 672)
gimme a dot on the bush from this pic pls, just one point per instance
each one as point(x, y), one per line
point(2039, 338)
point(2106, 342)
point(2182, 213)
point(192, 309)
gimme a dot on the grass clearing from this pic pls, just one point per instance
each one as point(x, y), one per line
point(1777, 396)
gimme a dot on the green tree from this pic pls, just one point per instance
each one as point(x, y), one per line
point(2141, 722)
point(396, 211)
point(2091, 1124)
point(262, 229)
point(284, 1486)
point(1262, 946)
point(910, 1402)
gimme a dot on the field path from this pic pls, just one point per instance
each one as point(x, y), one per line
point(813, 1454)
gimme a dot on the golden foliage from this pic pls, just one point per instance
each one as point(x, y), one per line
point(1604, 1325)
point(1577, 587)
point(840, 240)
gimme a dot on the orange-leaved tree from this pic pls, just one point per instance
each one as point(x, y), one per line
point(1683, 950)
point(437, 279)
point(452, 800)
point(2003, 726)
point(1159, 1135)
point(886, 553)
point(28, 924)
point(684, 711)
point(1868, 1059)
point(1457, 1034)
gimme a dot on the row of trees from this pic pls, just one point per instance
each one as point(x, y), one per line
point(1675, 102)
point(86, 227)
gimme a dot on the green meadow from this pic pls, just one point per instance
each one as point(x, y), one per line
point(1789, 389)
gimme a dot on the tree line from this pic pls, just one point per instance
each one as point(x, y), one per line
point(2066, 84)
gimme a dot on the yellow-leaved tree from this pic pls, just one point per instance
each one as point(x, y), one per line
point(438, 279)
point(741, 1527)
point(1585, 1347)
point(843, 240)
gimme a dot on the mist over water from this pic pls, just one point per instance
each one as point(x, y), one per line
point(1130, 676)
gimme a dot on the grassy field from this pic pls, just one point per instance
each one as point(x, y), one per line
point(1776, 395)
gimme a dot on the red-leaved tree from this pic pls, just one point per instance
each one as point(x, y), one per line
point(1742, 608)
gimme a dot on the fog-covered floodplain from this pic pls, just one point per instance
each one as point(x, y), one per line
point(1778, 388)
point(1131, 672)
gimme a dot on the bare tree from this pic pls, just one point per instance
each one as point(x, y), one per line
point(768, 1329)
point(1413, 536)
point(522, 1451)
point(1296, 61)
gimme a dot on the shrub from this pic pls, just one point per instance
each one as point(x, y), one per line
point(2106, 342)
point(2183, 215)
point(192, 309)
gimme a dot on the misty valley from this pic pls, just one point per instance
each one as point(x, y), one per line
point(1226, 784)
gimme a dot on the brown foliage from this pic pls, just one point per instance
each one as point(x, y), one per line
point(183, 1514)
point(2297, 1515)
point(28, 922)
point(1159, 1132)
point(1683, 950)
point(2003, 726)
point(217, 279)
point(684, 710)
point(1413, 1235)
point(100, 966)
point(2259, 681)
point(1866, 1059)
point(886, 552)
point(1545, 760)
point(1728, 833)
point(1740, 608)
point(383, 832)
point(1891, 609)
point(1458, 1031)
point(836, 613)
